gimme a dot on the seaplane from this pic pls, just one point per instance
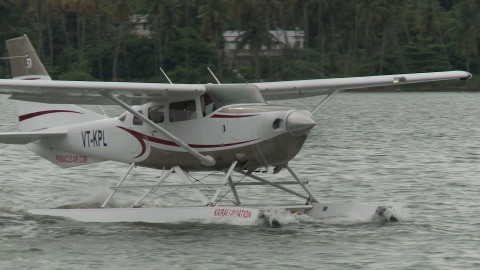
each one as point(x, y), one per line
point(182, 129)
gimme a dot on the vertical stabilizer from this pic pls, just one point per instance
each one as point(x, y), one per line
point(35, 116)
point(25, 65)
point(24, 62)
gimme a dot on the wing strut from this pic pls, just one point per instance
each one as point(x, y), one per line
point(204, 159)
point(325, 101)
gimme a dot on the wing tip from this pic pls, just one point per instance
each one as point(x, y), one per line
point(468, 77)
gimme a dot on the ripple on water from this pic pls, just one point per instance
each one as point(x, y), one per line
point(417, 148)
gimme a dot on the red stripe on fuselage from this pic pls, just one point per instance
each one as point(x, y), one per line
point(141, 137)
point(35, 114)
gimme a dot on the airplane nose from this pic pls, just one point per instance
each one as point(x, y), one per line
point(299, 123)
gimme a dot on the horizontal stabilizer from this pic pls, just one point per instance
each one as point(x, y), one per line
point(28, 137)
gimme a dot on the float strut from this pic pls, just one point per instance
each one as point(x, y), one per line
point(311, 197)
point(225, 179)
point(118, 184)
point(153, 189)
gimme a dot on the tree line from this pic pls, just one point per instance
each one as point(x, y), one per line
point(93, 39)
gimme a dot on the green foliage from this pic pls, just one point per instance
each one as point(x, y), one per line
point(425, 55)
point(188, 49)
point(94, 40)
point(76, 75)
point(139, 52)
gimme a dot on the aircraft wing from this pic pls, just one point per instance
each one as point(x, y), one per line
point(307, 88)
point(28, 137)
point(81, 92)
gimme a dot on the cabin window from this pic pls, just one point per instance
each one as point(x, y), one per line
point(156, 114)
point(137, 121)
point(223, 95)
point(183, 110)
point(207, 105)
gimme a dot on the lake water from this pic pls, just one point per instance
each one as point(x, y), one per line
point(422, 149)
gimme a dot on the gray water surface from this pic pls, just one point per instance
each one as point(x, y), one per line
point(419, 148)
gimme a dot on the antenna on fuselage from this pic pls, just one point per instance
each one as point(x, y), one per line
point(211, 72)
point(165, 74)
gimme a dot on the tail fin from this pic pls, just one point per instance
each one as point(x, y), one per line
point(24, 61)
point(26, 65)
point(35, 118)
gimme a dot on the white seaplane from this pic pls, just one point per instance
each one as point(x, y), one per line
point(180, 129)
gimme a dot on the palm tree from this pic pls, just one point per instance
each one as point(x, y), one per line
point(98, 10)
point(81, 8)
point(165, 15)
point(187, 5)
point(8, 8)
point(429, 22)
point(213, 15)
point(119, 11)
point(157, 9)
point(318, 9)
point(464, 30)
point(38, 8)
point(254, 31)
point(399, 14)
point(58, 8)
point(372, 13)
point(271, 10)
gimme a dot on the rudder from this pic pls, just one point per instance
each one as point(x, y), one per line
point(24, 62)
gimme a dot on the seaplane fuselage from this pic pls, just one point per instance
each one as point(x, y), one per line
point(253, 134)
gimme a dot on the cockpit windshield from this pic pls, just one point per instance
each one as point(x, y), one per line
point(223, 95)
